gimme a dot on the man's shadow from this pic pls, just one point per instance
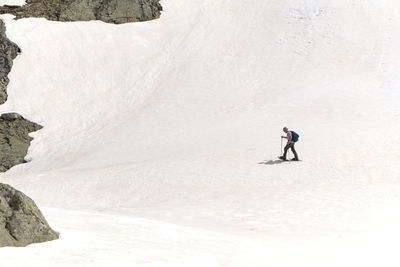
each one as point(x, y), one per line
point(271, 162)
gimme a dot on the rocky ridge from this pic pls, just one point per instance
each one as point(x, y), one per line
point(14, 129)
point(21, 222)
point(110, 11)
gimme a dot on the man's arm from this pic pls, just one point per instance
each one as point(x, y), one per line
point(289, 137)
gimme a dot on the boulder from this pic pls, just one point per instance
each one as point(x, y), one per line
point(21, 222)
point(14, 139)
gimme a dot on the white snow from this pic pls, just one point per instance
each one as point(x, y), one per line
point(12, 2)
point(160, 138)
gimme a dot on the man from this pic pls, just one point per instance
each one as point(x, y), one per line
point(292, 137)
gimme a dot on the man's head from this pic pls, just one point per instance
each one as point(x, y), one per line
point(285, 129)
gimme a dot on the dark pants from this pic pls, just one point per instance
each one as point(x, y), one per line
point(291, 146)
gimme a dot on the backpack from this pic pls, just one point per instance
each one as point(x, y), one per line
point(295, 136)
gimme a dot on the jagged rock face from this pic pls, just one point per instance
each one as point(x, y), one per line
point(111, 11)
point(14, 139)
point(21, 222)
point(8, 52)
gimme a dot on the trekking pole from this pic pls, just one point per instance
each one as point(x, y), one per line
point(281, 146)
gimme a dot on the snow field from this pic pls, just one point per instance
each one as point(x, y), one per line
point(161, 137)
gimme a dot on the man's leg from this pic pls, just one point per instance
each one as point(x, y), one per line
point(285, 151)
point(294, 151)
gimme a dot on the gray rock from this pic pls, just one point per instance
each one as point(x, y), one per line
point(14, 139)
point(110, 11)
point(21, 222)
point(8, 52)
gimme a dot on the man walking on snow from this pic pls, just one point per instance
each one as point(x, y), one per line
point(292, 137)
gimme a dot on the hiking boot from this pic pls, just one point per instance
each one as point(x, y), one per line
point(294, 159)
point(282, 158)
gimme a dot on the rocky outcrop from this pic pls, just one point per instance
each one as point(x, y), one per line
point(14, 139)
point(111, 11)
point(8, 52)
point(21, 222)
point(14, 129)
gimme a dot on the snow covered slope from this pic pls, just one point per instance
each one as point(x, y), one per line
point(160, 138)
